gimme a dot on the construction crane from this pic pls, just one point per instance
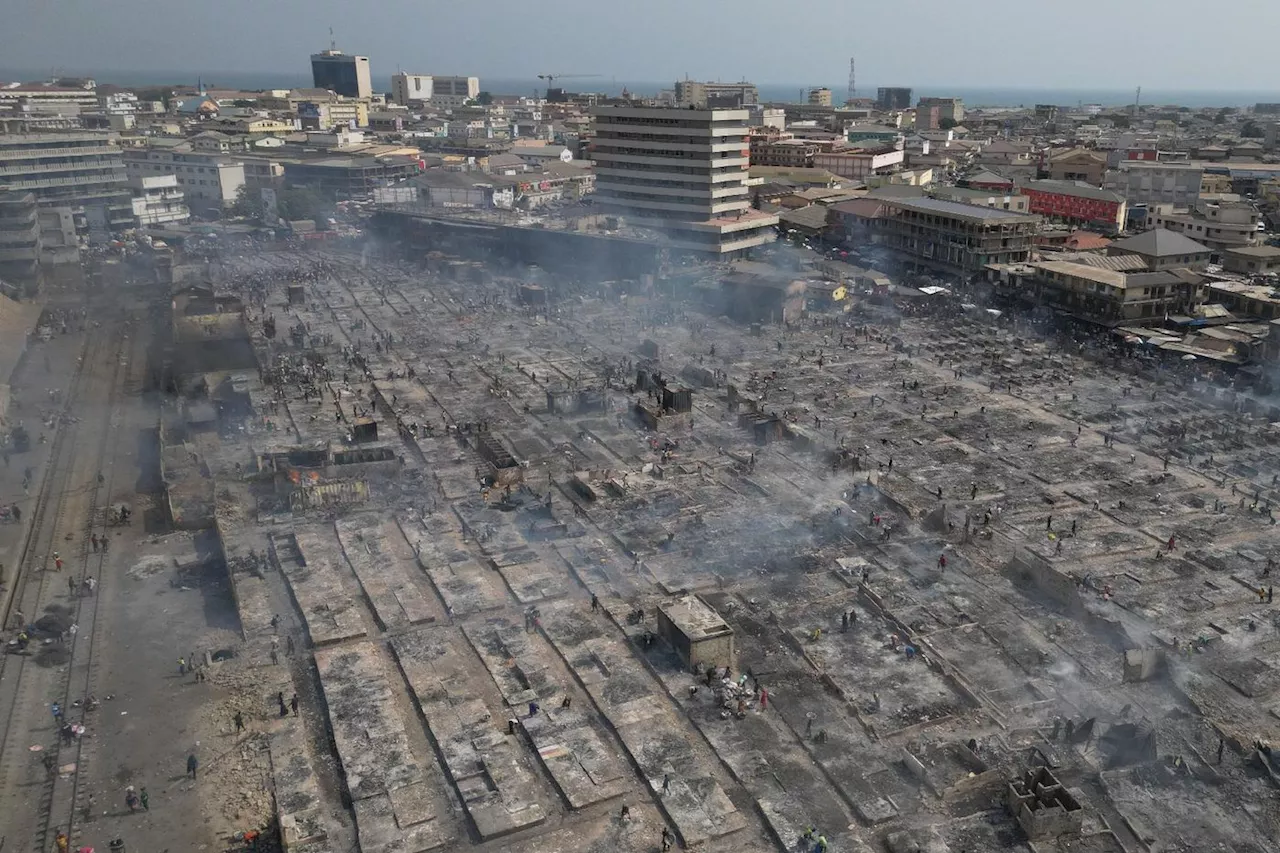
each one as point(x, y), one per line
point(552, 78)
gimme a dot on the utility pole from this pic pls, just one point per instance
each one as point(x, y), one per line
point(853, 81)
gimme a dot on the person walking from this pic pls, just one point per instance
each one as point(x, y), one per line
point(238, 719)
point(293, 704)
point(192, 765)
point(93, 540)
point(666, 782)
point(288, 645)
point(145, 799)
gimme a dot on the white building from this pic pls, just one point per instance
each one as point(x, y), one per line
point(680, 171)
point(438, 91)
point(157, 200)
point(210, 181)
point(1156, 182)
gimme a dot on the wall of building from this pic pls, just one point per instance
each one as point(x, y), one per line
point(1142, 183)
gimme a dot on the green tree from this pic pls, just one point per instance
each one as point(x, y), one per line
point(1251, 129)
point(947, 123)
point(248, 203)
point(484, 99)
point(303, 203)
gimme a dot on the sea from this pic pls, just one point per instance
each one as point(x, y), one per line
point(972, 96)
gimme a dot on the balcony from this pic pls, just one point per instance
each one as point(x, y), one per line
point(9, 153)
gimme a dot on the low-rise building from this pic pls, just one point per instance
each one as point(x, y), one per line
point(947, 236)
point(1078, 164)
point(1252, 260)
point(158, 201)
point(859, 164)
point(1108, 296)
point(1162, 249)
point(1250, 300)
point(1077, 203)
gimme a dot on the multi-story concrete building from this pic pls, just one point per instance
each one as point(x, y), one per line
point(1112, 297)
point(691, 93)
point(336, 112)
point(158, 200)
point(947, 236)
point(1220, 226)
point(209, 181)
point(82, 171)
point(939, 111)
point(983, 198)
point(893, 98)
point(439, 91)
point(49, 98)
point(858, 164)
point(338, 72)
point(820, 97)
point(681, 171)
point(1079, 164)
point(1156, 182)
point(20, 239)
point(1077, 203)
point(772, 147)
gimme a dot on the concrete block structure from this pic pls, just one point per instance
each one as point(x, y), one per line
point(697, 633)
point(682, 172)
point(1042, 806)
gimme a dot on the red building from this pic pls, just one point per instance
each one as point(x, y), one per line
point(1077, 203)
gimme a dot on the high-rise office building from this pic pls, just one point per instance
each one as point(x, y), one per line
point(893, 97)
point(682, 172)
point(338, 72)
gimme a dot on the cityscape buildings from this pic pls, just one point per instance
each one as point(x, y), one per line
point(539, 467)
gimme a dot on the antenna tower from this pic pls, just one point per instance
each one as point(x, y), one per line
point(853, 81)
point(333, 44)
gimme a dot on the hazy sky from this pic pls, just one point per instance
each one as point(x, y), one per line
point(1033, 43)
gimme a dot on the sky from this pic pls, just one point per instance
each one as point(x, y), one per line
point(1113, 44)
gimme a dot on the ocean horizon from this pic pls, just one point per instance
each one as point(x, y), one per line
point(973, 96)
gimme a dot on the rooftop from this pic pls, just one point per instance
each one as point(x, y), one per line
point(1080, 189)
point(1255, 252)
point(695, 618)
point(960, 210)
point(1160, 243)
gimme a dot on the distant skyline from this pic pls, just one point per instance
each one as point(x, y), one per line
point(1092, 44)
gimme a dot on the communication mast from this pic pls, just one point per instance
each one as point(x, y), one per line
point(853, 82)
